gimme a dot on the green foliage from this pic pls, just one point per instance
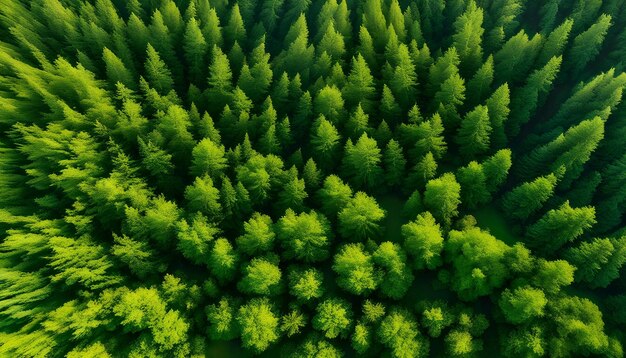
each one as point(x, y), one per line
point(305, 236)
point(259, 324)
point(442, 197)
point(312, 178)
point(359, 220)
point(423, 241)
point(355, 270)
point(333, 317)
point(559, 226)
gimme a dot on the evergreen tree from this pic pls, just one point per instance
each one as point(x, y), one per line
point(195, 49)
point(361, 162)
point(157, 72)
point(587, 45)
point(474, 134)
point(468, 37)
point(479, 85)
point(442, 197)
point(559, 226)
point(359, 88)
point(529, 197)
point(394, 163)
point(116, 70)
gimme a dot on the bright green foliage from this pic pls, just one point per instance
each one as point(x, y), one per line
point(116, 70)
point(529, 197)
point(397, 274)
point(361, 338)
point(260, 277)
point(222, 322)
point(552, 275)
point(325, 142)
point(474, 185)
point(292, 322)
point(559, 226)
point(203, 197)
point(362, 161)
point(474, 134)
point(442, 197)
point(258, 323)
point(498, 108)
point(359, 88)
point(423, 241)
point(157, 73)
point(468, 37)
point(577, 317)
point(359, 220)
point(355, 270)
point(333, 317)
point(522, 304)
point(479, 262)
point(194, 241)
point(398, 332)
point(478, 86)
point(303, 178)
point(394, 163)
point(436, 317)
point(334, 195)
point(461, 343)
point(587, 45)
point(305, 236)
point(526, 101)
point(223, 260)
point(306, 285)
point(195, 48)
point(258, 235)
point(598, 262)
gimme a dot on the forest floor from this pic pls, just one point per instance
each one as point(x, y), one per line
point(490, 218)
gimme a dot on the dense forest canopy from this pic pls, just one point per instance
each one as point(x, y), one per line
point(312, 178)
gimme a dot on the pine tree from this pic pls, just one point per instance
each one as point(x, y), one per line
point(234, 31)
point(117, 71)
point(358, 124)
point(498, 108)
point(526, 101)
point(474, 134)
point(442, 197)
point(480, 84)
point(555, 42)
point(157, 72)
point(359, 88)
point(195, 49)
point(468, 38)
point(375, 23)
point(361, 162)
point(325, 142)
point(211, 29)
point(587, 45)
point(559, 226)
point(529, 197)
point(394, 163)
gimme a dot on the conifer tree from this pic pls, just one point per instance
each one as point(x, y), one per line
point(529, 197)
point(479, 85)
point(559, 226)
point(468, 37)
point(442, 197)
point(157, 72)
point(362, 161)
point(359, 88)
point(586, 45)
point(195, 49)
point(116, 70)
point(474, 134)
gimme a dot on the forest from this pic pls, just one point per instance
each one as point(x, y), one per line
point(312, 178)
